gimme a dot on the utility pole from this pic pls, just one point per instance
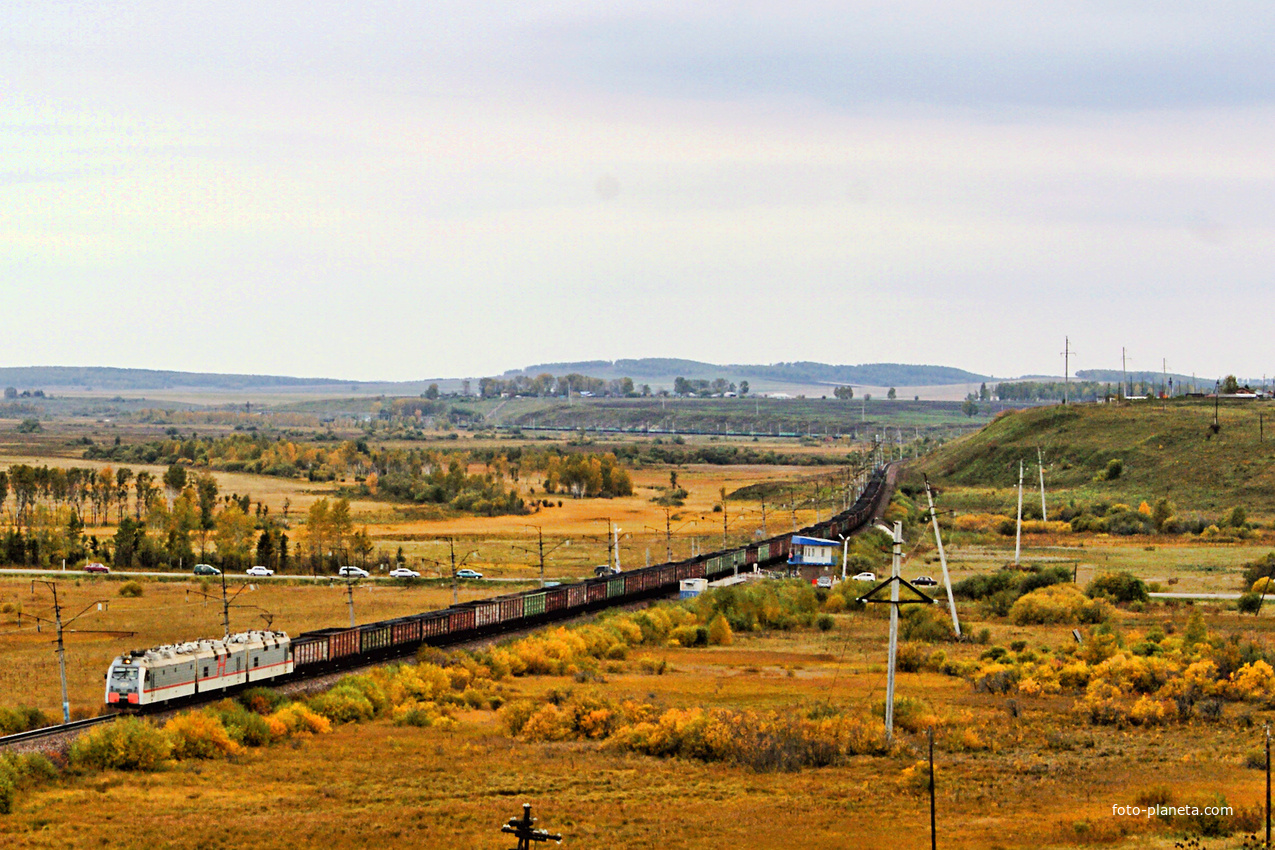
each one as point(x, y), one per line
point(451, 547)
point(894, 602)
point(225, 607)
point(349, 593)
point(61, 626)
point(57, 614)
point(938, 539)
point(763, 517)
point(1124, 373)
point(725, 518)
point(617, 548)
point(1040, 464)
point(1018, 536)
point(896, 560)
point(1066, 368)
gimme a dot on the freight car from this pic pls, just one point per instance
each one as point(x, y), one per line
point(185, 671)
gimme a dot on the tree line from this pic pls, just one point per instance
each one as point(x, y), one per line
point(175, 521)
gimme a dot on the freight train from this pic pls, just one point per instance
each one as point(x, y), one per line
point(184, 672)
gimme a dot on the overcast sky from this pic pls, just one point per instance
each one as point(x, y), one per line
point(400, 190)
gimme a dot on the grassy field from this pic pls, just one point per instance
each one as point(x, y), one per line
point(173, 611)
point(1037, 775)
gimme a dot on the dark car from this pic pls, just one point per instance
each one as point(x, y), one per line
point(924, 581)
point(206, 570)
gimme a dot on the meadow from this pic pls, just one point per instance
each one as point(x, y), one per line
point(1024, 765)
point(1013, 770)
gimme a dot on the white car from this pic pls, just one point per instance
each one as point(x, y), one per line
point(259, 571)
point(404, 572)
point(353, 572)
point(865, 577)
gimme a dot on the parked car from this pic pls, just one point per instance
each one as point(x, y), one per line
point(604, 570)
point(925, 581)
point(96, 568)
point(404, 572)
point(468, 573)
point(353, 572)
point(865, 577)
point(824, 582)
point(259, 571)
point(206, 570)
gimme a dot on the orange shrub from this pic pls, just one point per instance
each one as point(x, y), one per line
point(200, 735)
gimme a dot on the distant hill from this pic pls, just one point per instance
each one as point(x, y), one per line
point(800, 372)
point(110, 378)
point(1167, 451)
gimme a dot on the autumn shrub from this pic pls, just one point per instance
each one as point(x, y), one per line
point(297, 717)
point(689, 635)
point(344, 703)
point(200, 735)
point(1118, 587)
point(910, 713)
point(515, 714)
point(244, 726)
point(8, 788)
point(1250, 603)
point(261, 700)
point(20, 771)
point(21, 719)
point(1061, 603)
point(131, 590)
point(125, 744)
point(926, 624)
point(911, 656)
point(1258, 569)
point(420, 714)
point(719, 631)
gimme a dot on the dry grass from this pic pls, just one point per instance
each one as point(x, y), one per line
point(1040, 779)
point(170, 612)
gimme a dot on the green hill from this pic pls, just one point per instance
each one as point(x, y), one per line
point(1165, 452)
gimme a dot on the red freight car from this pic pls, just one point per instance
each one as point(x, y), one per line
point(461, 619)
point(510, 608)
point(555, 599)
point(434, 624)
point(341, 642)
point(750, 555)
point(405, 630)
point(597, 591)
point(575, 595)
point(486, 613)
point(309, 648)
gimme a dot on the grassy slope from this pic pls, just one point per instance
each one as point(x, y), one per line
point(1166, 453)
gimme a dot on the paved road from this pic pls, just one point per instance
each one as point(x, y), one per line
point(234, 575)
point(1195, 595)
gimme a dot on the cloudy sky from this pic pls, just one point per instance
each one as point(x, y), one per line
point(399, 190)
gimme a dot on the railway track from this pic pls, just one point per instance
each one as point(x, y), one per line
point(58, 736)
point(17, 740)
